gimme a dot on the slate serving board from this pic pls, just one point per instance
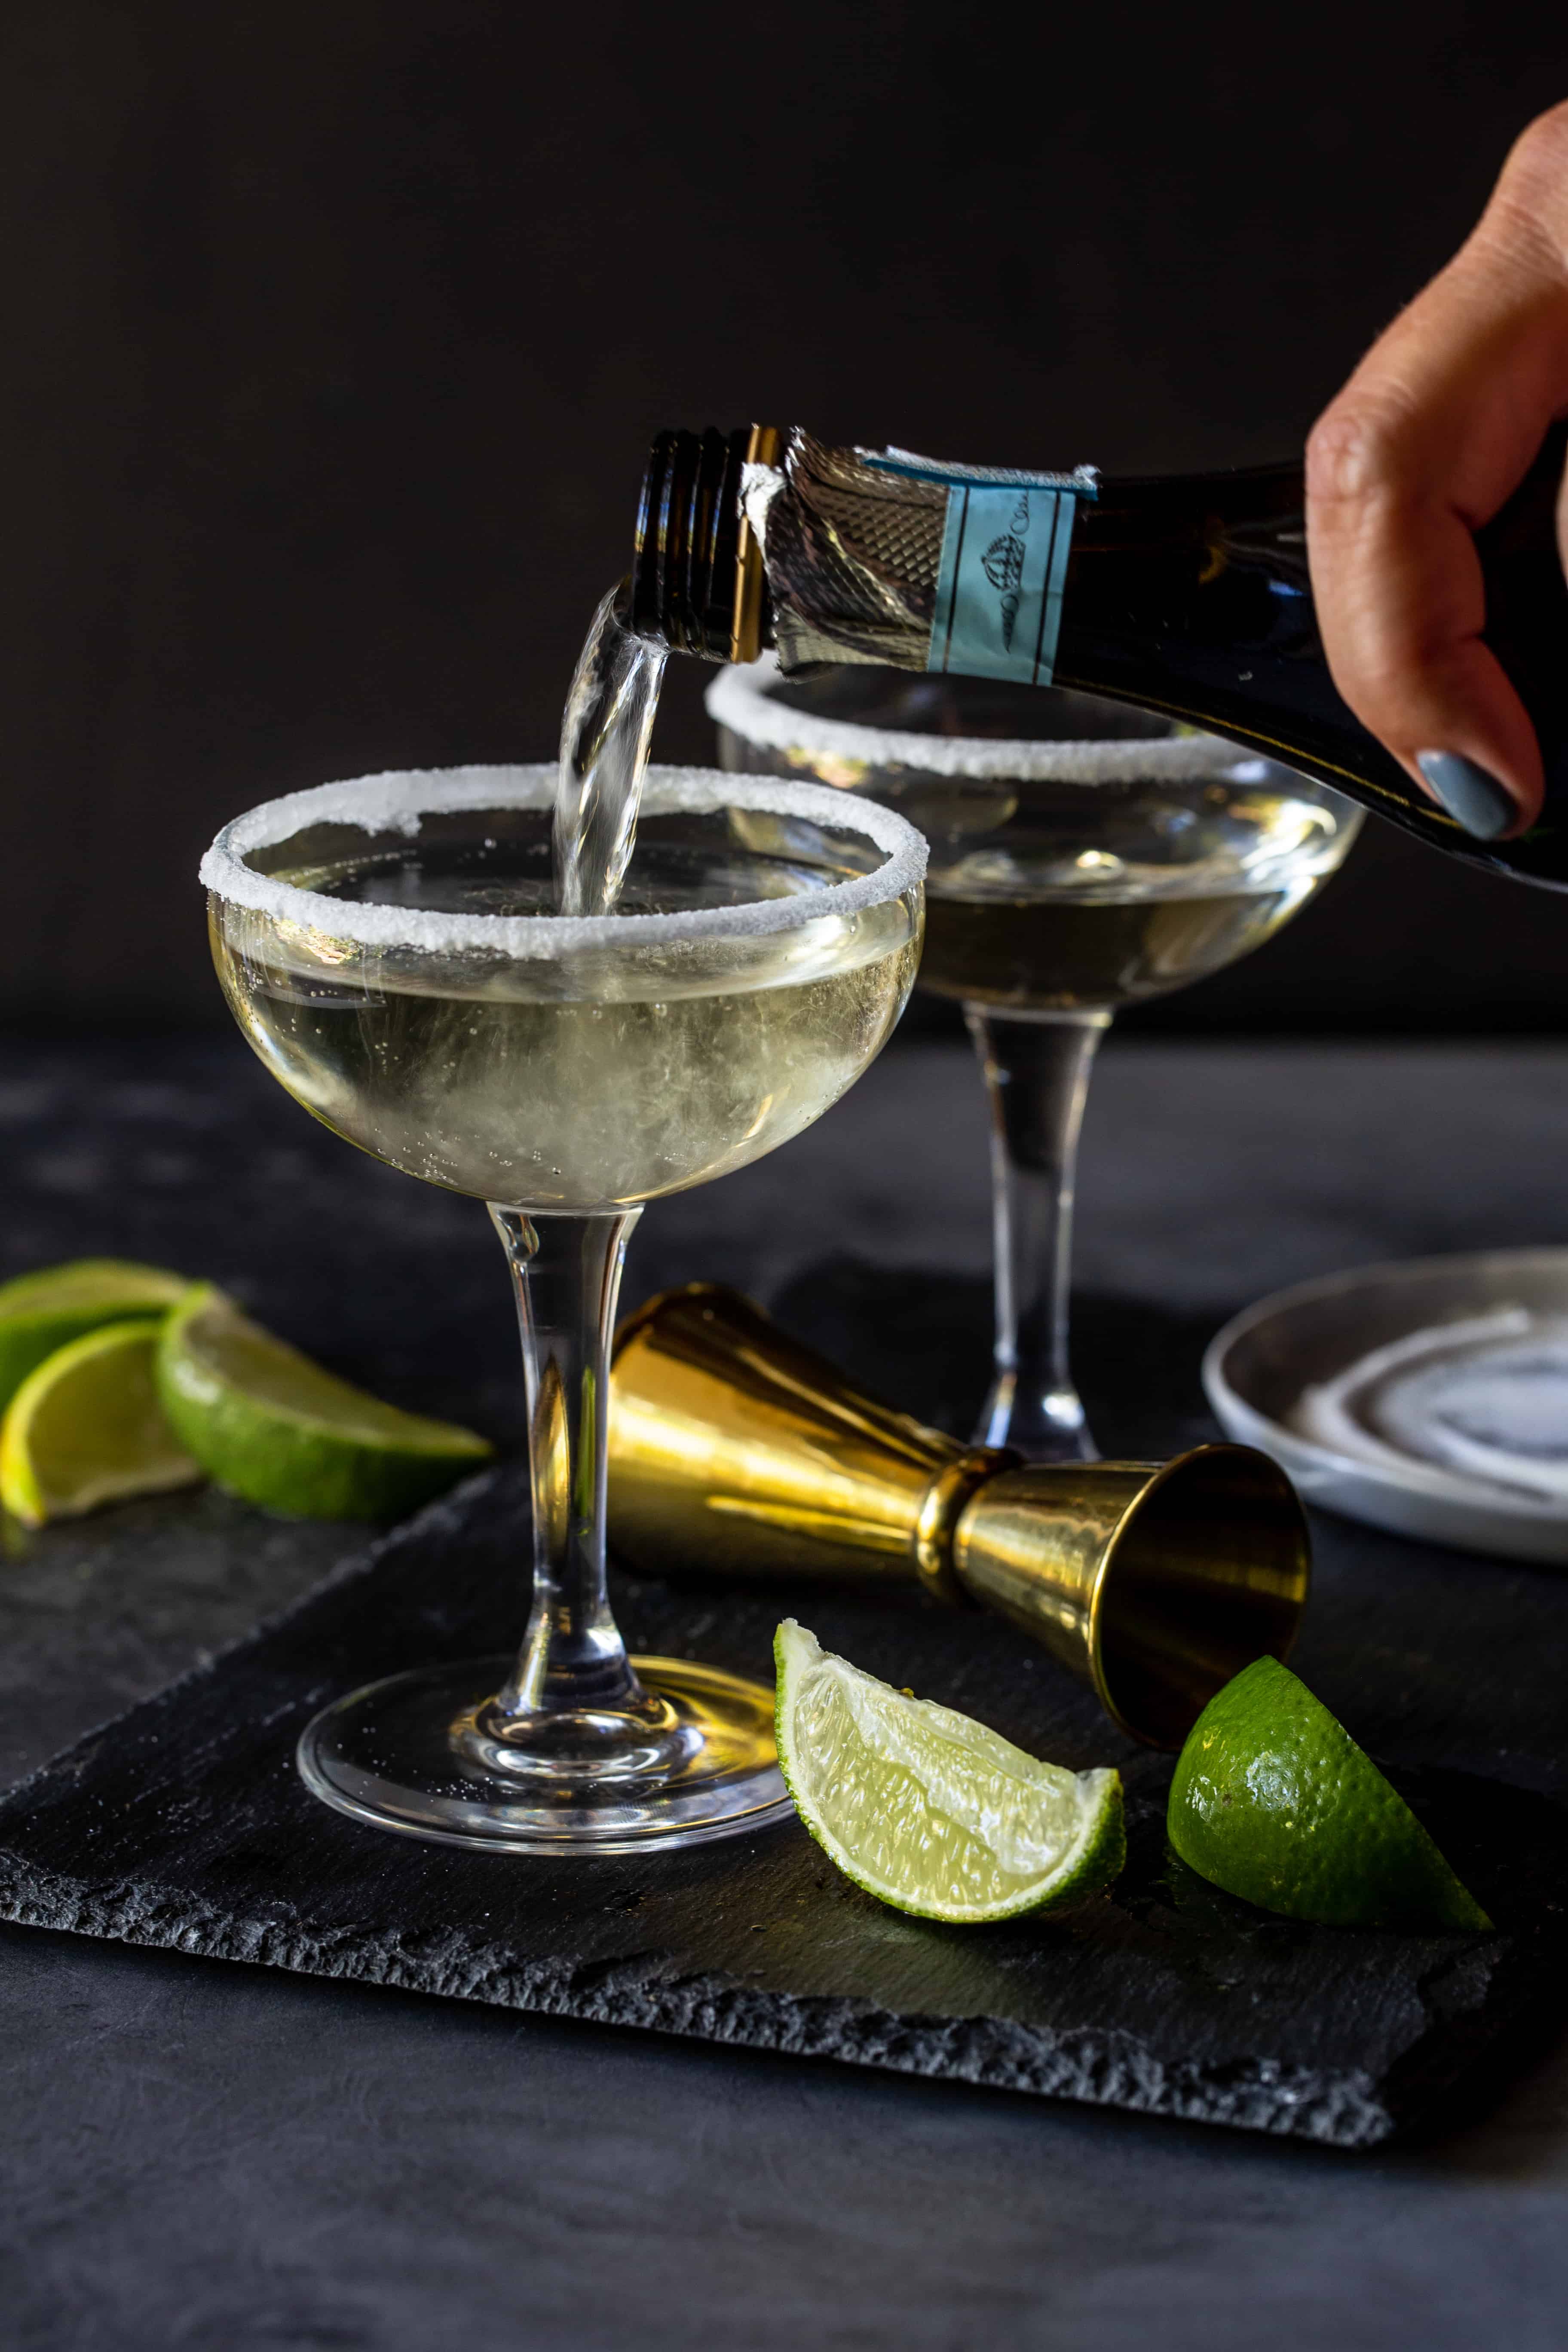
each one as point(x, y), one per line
point(182, 1823)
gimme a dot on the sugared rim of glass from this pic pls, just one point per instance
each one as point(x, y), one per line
point(739, 699)
point(397, 800)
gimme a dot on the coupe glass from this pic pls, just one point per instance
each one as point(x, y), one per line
point(387, 948)
point(1083, 857)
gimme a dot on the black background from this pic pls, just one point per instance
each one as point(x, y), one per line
point(335, 332)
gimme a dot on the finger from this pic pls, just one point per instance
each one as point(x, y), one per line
point(1402, 607)
point(1435, 429)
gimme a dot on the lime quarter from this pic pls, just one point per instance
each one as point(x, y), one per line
point(86, 1427)
point(930, 1810)
point(40, 1312)
point(273, 1427)
point(1273, 1800)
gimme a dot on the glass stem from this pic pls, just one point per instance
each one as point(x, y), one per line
point(1037, 1074)
point(566, 1271)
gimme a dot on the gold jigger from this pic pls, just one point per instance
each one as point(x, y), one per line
point(736, 1452)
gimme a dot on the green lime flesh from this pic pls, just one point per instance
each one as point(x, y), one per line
point(1273, 1800)
point(274, 1428)
point(929, 1811)
point(45, 1311)
point(85, 1428)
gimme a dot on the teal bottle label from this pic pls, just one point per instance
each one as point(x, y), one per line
point(999, 591)
point(1005, 550)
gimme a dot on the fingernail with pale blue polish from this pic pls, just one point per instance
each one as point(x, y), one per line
point(1473, 797)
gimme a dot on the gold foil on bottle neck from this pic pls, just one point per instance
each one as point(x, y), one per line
point(766, 447)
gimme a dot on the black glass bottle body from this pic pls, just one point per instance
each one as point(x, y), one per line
point(1191, 596)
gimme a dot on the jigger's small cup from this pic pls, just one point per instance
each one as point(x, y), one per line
point(736, 1452)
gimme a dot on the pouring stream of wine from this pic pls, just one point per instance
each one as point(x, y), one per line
point(604, 738)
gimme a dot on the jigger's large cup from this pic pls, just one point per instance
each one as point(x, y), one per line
point(736, 1452)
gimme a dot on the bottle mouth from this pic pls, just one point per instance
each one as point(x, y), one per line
point(688, 569)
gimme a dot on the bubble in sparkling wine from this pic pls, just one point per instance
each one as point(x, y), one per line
point(604, 735)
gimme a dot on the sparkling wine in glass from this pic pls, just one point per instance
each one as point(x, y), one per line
point(1084, 855)
point(390, 951)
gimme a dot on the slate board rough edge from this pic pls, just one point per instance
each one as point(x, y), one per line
point(1099, 2070)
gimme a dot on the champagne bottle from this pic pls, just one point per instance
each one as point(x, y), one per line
point(1186, 594)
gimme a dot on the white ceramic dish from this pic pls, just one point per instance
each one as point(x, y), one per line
point(1256, 1368)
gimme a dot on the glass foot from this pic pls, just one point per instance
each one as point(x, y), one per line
point(428, 1753)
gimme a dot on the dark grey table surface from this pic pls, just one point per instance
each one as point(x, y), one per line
point(196, 2155)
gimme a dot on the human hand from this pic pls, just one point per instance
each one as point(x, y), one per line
point(1434, 430)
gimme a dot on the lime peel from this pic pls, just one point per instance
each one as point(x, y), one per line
point(930, 1810)
point(1273, 1802)
point(276, 1429)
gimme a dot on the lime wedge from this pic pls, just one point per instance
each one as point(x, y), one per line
point(926, 1809)
point(273, 1427)
point(86, 1427)
point(40, 1312)
point(1273, 1800)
